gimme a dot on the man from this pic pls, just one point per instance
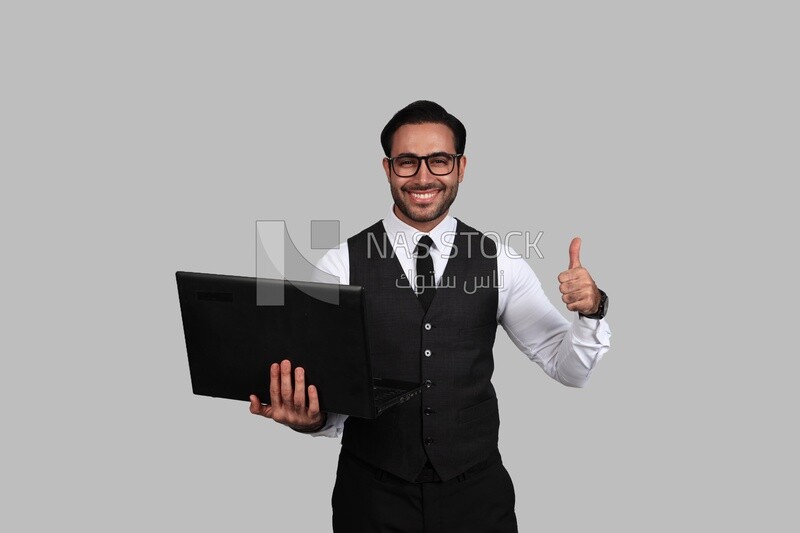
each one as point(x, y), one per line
point(432, 464)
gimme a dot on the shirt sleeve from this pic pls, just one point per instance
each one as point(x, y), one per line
point(567, 352)
point(335, 262)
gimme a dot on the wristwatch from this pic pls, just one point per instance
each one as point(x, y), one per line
point(602, 309)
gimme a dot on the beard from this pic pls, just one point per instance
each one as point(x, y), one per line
point(429, 212)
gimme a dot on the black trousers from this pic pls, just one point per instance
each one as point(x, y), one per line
point(367, 499)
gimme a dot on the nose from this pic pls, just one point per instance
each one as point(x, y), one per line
point(423, 174)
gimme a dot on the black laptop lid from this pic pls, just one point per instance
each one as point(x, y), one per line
point(231, 341)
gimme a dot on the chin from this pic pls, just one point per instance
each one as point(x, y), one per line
point(425, 215)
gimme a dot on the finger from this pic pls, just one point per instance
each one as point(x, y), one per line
point(583, 302)
point(255, 404)
point(566, 288)
point(582, 306)
point(274, 385)
point(286, 381)
point(299, 388)
point(313, 401)
point(257, 408)
point(575, 253)
point(575, 285)
point(576, 306)
point(572, 275)
point(575, 301)
point(577, 296)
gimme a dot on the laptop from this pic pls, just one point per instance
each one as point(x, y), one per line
point(231, 341)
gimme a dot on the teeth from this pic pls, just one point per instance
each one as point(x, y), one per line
point(423, 196)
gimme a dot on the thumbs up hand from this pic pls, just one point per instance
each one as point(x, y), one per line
point(578, 289)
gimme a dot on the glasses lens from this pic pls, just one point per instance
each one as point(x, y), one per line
point(405, 165)
point(440, 164)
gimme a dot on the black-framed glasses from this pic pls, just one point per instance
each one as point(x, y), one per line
point(440, 164)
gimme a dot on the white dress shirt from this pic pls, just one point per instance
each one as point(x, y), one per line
point(566, 351)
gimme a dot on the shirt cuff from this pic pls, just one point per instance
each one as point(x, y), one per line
point(591, 339)
point(333, 427)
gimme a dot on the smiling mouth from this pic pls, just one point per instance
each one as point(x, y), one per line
point(423, 196)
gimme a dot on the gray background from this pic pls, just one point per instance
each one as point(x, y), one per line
point(138, 139)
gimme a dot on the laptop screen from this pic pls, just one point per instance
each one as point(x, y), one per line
point(231, 340)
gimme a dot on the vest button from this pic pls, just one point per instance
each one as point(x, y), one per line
point(428, 411)
point(427, 353)
point(428, 441)
point(428, 326)
point(428, 383)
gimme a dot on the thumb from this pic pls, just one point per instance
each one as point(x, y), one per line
point(575, 253)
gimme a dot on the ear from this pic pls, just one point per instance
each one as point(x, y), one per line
point(386, 168)
point(462, 166)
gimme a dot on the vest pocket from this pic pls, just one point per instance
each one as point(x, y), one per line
point(478, 411)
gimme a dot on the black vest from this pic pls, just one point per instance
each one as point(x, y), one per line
point(454, 422)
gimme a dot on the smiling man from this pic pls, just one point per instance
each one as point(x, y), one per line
point(424, 201)
point(432, 463)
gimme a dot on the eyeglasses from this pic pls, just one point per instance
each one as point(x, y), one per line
point(440, 164)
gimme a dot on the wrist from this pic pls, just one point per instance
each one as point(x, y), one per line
point(602, 307)
point(314, 428)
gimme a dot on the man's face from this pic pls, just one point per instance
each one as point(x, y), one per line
point(423, 199)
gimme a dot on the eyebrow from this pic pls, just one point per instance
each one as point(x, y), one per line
point(409, 154)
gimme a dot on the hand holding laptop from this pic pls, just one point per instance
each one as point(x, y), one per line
point(288, 404)
point(231, 340)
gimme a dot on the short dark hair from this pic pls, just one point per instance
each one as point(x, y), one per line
point(423, 112)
